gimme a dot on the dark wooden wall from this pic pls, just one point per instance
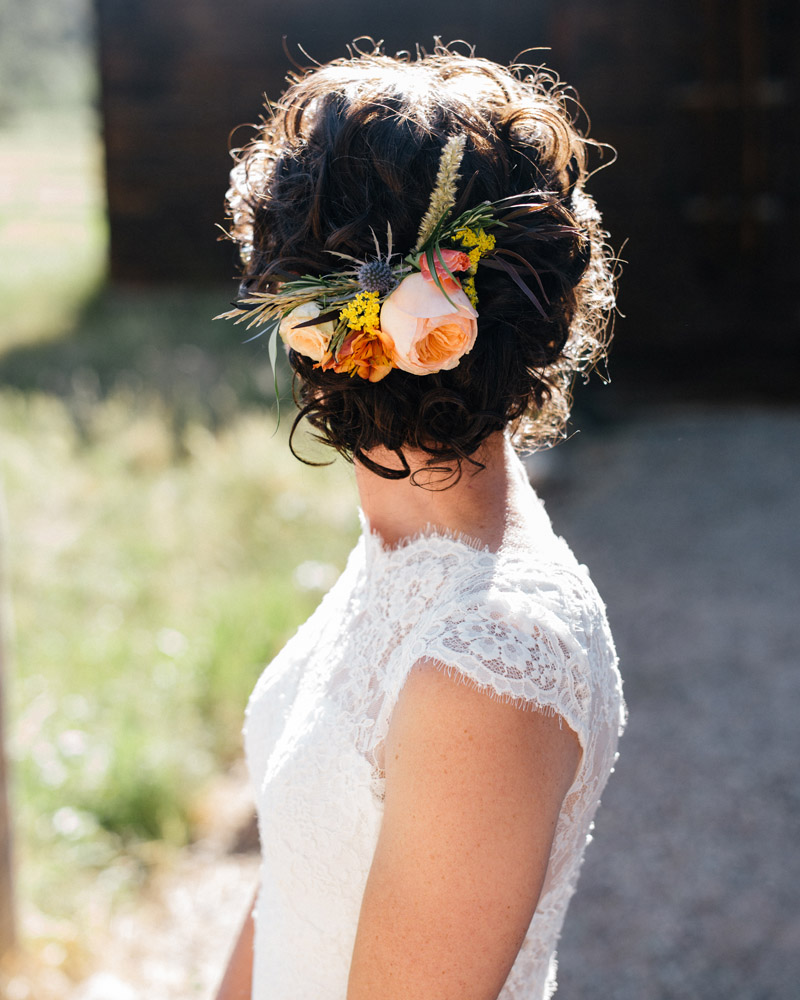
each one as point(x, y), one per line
point(700, 99)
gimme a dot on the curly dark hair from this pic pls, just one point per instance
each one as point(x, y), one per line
point(354, 145)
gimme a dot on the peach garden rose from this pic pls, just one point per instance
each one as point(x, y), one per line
point(310, 341)
point(429, 333)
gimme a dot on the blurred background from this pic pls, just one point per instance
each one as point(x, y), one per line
point(158, 544)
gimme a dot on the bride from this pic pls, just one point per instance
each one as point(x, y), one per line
point(428, 751)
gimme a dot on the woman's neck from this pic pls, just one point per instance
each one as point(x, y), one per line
point(483, 504)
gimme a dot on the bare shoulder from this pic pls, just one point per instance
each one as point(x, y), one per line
point(442, 716)
point(474, 786)
point(489, 762)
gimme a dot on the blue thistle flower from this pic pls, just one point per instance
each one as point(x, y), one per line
point(376, 276)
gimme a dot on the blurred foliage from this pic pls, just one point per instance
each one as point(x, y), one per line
point(65, 333)
point(46, 57)
point(150, 585)
point(161, 541)
point(160, 342)
point(53, 230)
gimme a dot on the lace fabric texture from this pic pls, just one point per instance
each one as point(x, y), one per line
point(525, 625)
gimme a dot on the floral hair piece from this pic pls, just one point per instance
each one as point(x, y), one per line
point(418, 314)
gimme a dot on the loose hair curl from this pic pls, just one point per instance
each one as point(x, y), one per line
point(354, 145)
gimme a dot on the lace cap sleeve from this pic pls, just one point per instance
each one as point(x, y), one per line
point(512, 646)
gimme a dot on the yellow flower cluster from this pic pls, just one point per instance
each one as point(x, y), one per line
point(362, 312)
point(480, 242)
point(468, 284)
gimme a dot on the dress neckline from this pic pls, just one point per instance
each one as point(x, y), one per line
point(376, 546)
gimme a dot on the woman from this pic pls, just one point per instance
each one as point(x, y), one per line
point(428, 751)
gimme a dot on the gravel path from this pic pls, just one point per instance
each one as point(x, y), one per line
point(689, 523)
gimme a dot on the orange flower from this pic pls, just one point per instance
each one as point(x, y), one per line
point(366, 353)
point(456, 260)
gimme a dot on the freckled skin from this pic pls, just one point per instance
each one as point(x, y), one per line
point(469, 819)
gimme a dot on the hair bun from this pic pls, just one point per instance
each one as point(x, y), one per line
point(354, 147)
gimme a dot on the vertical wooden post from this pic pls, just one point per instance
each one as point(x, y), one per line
point(7, 908)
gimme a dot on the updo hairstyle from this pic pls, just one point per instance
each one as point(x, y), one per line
point(354, 145)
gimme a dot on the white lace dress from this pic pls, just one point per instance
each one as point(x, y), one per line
point(524, 624)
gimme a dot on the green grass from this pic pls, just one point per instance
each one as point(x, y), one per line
point(154, 523)
point(148, 591)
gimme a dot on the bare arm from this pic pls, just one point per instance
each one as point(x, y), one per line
point(237, 983)
point(473, 791)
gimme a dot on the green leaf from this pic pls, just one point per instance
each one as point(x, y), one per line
point(441, 261)
point(274, 326)
point(435, 274)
